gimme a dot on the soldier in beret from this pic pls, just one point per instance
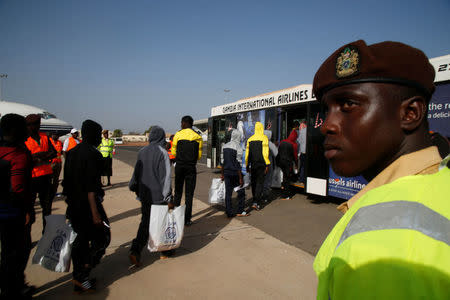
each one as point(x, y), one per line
point(393, 241)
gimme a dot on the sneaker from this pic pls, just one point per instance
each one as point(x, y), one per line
point(243, 214)
point(134, 259)
point(255, 206)
point(188, 223)
point(87, 286)
point(286, 198)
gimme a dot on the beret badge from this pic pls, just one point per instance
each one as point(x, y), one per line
point(347, 63)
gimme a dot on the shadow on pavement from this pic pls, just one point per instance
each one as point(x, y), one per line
point(116, 186)
point(126, 214)
point(115, 266)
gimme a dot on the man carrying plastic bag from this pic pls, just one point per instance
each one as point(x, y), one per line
point(83, 188)
point(151, 181)
point(55, 247)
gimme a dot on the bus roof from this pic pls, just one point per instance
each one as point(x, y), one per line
point(303, 93)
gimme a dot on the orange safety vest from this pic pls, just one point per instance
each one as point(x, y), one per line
point(58, 147)
point(171, 156)
point(72, 144)
point(42, 168)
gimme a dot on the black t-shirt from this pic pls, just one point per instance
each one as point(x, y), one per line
point(82, 174)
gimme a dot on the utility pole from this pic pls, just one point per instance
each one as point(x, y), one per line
point(1, 77)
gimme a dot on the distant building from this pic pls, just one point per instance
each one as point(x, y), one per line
point(128, 138)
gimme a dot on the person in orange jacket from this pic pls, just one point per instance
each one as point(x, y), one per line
point(56, 163)
point(169, 149)
point(42, 152)
point(71, 142)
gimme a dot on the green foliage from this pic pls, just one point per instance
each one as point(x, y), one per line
point(148, 130)
point(117, 133)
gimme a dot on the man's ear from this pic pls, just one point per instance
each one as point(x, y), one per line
point(413, 112)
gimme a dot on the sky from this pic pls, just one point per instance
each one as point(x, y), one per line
point(132, 64)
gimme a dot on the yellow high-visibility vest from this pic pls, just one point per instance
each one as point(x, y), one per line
point(106, 147)
point(394, 243)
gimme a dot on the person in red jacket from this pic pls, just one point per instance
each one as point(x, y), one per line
point(42, 152)
point(15, 207)
point(287, 160)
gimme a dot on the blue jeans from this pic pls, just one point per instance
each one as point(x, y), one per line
point(232, 181)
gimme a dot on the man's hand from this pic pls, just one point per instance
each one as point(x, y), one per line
point(241, 181)
point(171, 205)
point(266, 170)
point(27, 218)
point(96, 219)
point(248, 169)
point(222, 177)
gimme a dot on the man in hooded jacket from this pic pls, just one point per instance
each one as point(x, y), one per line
point(151, 181)
point(83, 189)
point(287, 157)
point(257, 162)
point(231, 173)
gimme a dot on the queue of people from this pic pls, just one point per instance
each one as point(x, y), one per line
point(31, 163)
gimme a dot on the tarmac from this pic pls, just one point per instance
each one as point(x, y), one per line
point(219, 258)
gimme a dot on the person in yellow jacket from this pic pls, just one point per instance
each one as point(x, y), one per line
point(257, 162)
point(106, 148)
point(393, 241)
point(187, 150)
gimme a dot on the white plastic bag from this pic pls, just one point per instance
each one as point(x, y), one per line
point(277, 177)
point(217, 192)
point(55, 246)
point(166, 228)
point(247, 179)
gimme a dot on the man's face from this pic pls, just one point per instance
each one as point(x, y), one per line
point(75, 135)
point(33, 128)
point(362, 128)
point(105, 135)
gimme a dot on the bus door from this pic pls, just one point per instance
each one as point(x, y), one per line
point(316, 171)
point(217, 138)
point(292, 115)
point(220, 134)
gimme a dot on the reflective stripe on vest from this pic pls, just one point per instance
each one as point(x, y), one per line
point(43, 168)
point(106, 149)
point(398, 215)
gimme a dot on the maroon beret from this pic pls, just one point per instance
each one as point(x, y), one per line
point(387, 62)
point(33, 118)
